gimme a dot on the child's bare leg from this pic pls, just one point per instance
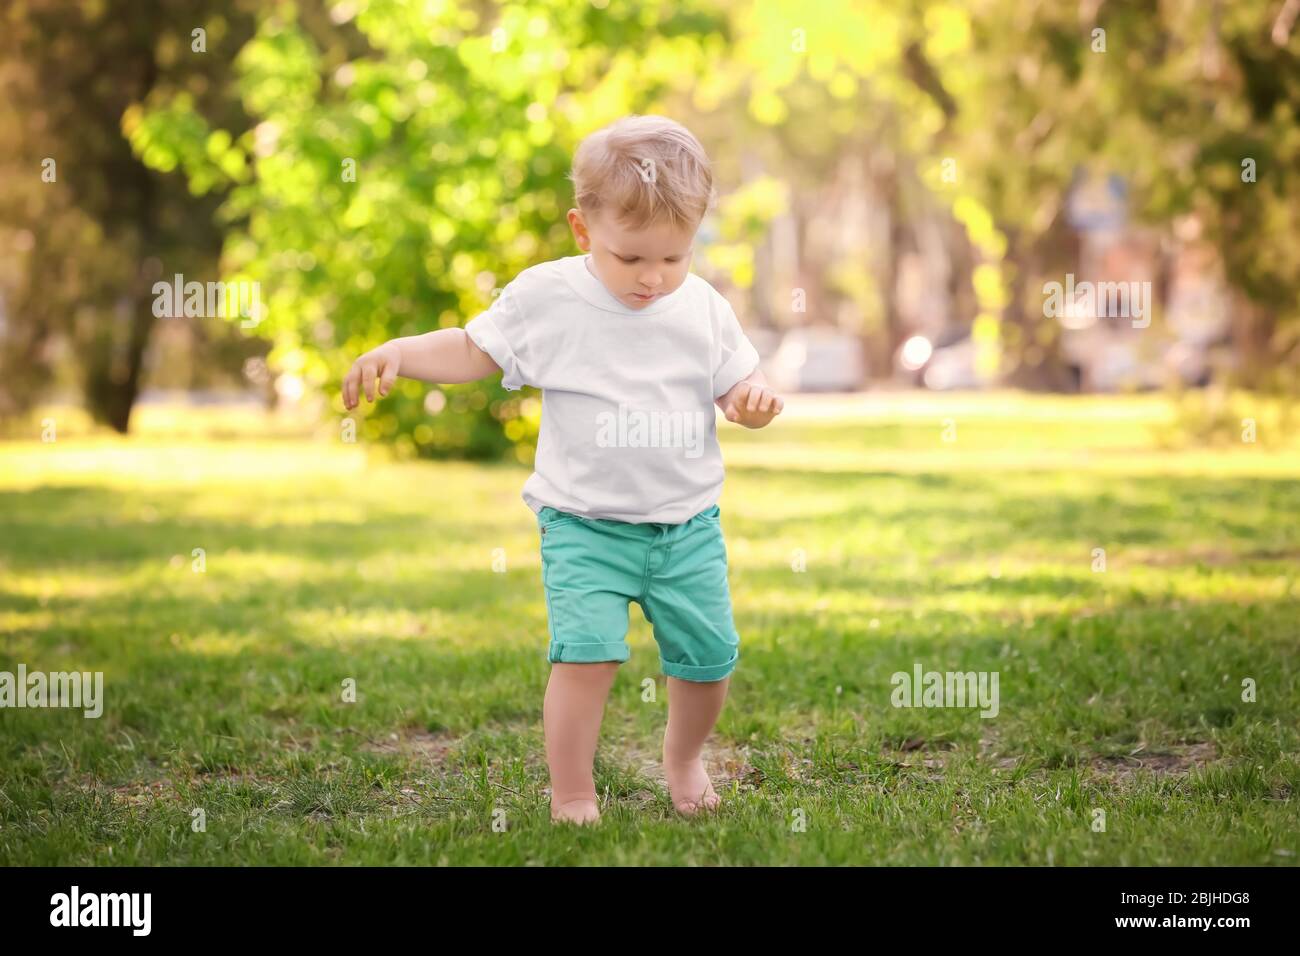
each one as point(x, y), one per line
point(571, 715)
point(693, 709)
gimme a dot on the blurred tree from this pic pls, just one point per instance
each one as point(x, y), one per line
point(1178, 99)
point(997, 105)
point(88, 229)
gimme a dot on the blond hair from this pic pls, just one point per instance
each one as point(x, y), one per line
point(644, 170)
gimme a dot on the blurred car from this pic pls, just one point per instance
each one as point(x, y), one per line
point(818, 360)
point(946, 364)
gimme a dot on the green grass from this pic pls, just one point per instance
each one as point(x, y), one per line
point(1120, 690)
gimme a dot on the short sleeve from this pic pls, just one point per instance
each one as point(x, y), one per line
point(737, 356)
point(500, 332)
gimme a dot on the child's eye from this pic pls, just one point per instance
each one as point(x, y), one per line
point(625, 259)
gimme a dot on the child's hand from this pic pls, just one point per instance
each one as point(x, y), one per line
point(382, 363)
point(751, 404)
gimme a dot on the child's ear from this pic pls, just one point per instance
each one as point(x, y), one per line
point(579, 227)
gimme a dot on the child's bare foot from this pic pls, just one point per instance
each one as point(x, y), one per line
point(690, 787)
point(579, 811)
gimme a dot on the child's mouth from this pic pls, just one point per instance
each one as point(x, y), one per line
point(644, 298)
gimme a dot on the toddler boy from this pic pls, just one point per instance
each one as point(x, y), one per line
point(631, 352)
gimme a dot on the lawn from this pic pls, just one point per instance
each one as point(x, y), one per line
point(865, 538)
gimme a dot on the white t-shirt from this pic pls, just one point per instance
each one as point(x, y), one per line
point(628, 427)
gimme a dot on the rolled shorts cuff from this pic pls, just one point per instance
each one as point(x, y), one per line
point(700, 672)
point(570, 653)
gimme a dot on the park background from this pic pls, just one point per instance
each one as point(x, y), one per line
point(1102, 509)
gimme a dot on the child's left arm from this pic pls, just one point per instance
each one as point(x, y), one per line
point(751, 401)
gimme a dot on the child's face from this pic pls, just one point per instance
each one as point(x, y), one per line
point(637, 266)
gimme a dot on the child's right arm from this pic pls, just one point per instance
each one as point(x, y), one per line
point(445, 356)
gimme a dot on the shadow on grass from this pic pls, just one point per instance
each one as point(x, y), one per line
point(452, 647)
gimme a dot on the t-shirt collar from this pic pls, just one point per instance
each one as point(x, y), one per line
point(586, 284)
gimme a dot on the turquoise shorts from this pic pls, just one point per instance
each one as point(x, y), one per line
point(593, 568)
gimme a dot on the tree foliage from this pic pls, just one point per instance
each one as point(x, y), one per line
point(383, 167)
point(399, 180)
